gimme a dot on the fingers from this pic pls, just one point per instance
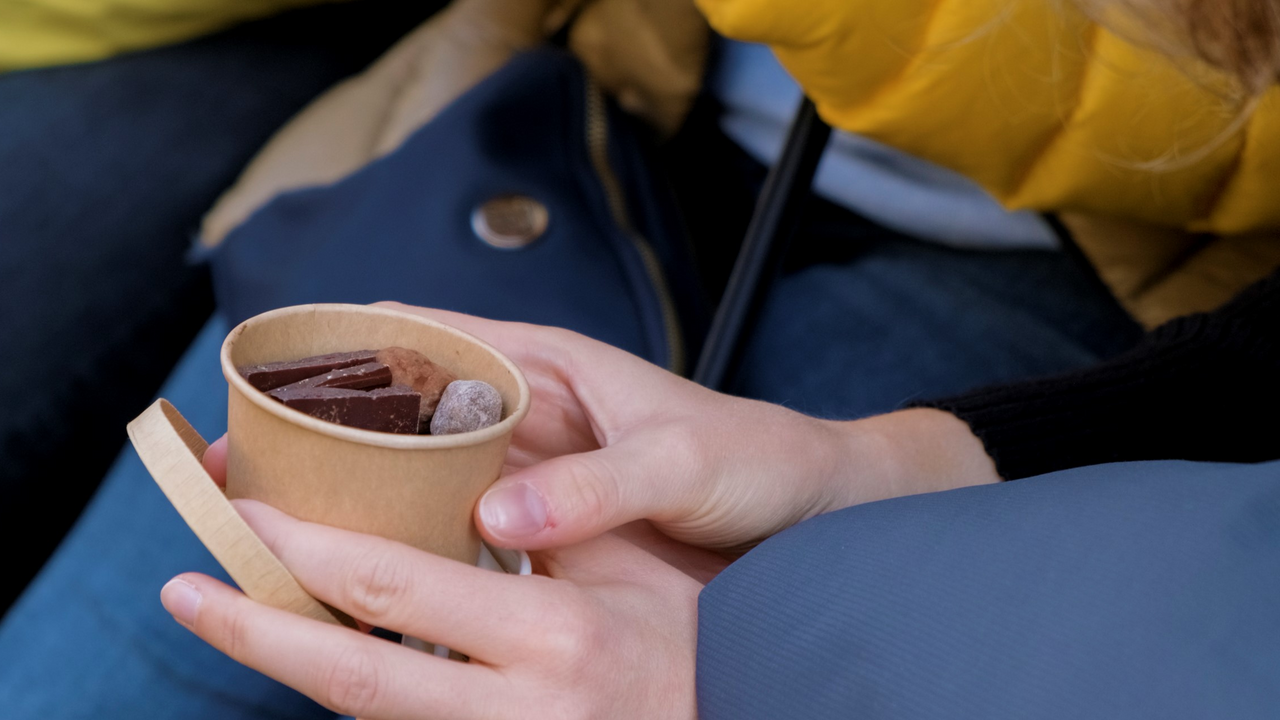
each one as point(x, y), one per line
point(572, 498)
point(344, 670)
point(391, 585)
point(215, 461)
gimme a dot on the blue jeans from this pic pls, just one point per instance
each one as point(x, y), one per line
point(90, 640)
point(902, 320)
point(105, 171)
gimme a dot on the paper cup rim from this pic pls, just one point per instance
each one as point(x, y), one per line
point(373, 437)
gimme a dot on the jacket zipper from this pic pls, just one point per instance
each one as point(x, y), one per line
point(597, 122)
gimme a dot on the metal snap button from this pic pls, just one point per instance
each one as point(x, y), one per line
point(509, 222)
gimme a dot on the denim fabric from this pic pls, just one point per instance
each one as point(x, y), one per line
point(897, 320)
point(1139, 591)
point(105, 171)
point(89, 639)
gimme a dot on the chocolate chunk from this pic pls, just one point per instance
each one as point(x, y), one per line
point(278, 374)
point(392, 409)
point(412, 368)
point(357, 377)
point(466, 405)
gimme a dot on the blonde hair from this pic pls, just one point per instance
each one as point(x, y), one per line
point(1239, 37)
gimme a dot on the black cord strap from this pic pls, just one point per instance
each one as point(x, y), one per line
point(774, 221)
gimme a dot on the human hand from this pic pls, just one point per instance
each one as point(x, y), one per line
point(609, 631)
point(611, 438)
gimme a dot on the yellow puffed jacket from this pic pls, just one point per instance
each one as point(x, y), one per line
point(50, 32)
point(1033, 101)
point(1171, 189)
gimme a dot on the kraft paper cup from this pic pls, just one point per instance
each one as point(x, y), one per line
point(416, 489)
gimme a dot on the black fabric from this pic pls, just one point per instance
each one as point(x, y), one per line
point(1201, 387)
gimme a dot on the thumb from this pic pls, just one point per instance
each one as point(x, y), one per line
point(576, 497)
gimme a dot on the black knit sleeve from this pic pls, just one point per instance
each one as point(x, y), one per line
point(1202, 387)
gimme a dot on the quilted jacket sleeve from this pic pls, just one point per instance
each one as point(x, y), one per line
point(1032, 100)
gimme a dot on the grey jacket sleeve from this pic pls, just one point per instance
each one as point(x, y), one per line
point(1138, 590)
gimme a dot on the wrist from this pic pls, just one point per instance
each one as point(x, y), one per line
point(907, 452)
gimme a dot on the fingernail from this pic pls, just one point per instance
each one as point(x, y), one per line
point(182, 600)
point(513, 511)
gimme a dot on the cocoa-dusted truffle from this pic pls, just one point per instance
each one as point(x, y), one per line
point(412, 368)
point(466, 405)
